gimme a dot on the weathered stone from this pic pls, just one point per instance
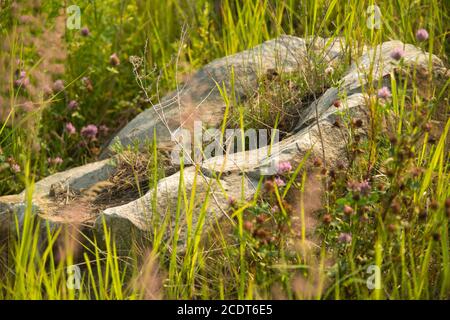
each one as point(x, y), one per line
point(200, 99)
point(233, 175)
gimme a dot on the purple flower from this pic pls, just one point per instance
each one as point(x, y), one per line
point(384, 93)
point(279, 182)
point(70, 128)
point(345, 237)
point(421, 35)
point(48, 91)
point(85, 31)
point(15, 168)
point(73, 104)
point(397, 53)
point(90, 131)
point(284, 167)
point(58, 85)
point(362, 187)
point(22, 80)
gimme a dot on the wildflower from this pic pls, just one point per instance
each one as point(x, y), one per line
point(327, 219)
point(114, 60)
point(15, 168)
point(58, 85)
point(348, 210)
point(248, 225)
point(397, 53)
point(48, 91)
point(362, 187)
point(421, 35)
point(90, 131)
point(337, 103)
point(70, 128)
point(384, 93)
point(329, 70)
point(284, 167)
point(22, 80)
point(279, 182)
point(85, 32)
point(87, 83)
point(73, 104)
point(345, 237)
point(55, 161)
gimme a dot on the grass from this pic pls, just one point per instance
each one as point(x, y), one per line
point(399, 222)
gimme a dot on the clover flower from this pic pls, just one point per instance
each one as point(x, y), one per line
point(58, 85)
point(397, 53)
point(90, 131)
point(284, 167)
point(279, 182)
point(384, 93)
point(345, 237)
point(85, 32)
point(73, 104)
point(70, 128)
point(421, 35)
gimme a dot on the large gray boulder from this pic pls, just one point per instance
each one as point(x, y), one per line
point(231, 175)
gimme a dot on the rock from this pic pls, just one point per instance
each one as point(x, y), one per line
point(309, 138)
point(78, 178)
point(232, 175)
point(200, 100)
